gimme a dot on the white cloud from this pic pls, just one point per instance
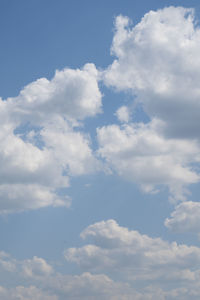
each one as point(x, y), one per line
point(123, 114)
point(185, 218)
point(7, 263)
point(36, 267)
point(118, 264)
point(73, 94)
point(41, 143)
point(86, 286)
point(138, 257)
point(20, 197)
point(71, 149)
point(158, 61)
point(25, 293)
point(91, 286)
point(50, 285)
point(140, 154)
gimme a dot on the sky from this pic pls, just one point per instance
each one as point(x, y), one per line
point(99, 150)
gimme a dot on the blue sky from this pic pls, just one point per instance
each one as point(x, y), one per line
point(99, 151)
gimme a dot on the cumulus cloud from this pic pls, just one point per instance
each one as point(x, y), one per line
point(140, 154)
point(123, 114)
point(65, 144)
point(152, 264)
point(185, 218)
point(157, 62)
point(41, 141)
point(150, 268)
point(25, 293)
point(85, 286)
point(20, 197)
point(36, 267)
point(92, 286)
point(50, 285)
point(137, 256)
point(73, 94)
point(28, 268)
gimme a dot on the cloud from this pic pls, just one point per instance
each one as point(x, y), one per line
point(185, 218)
point(20, 197)
point(85, 286)
point(36, 279)
point(137, 256)
point(90, 286)
point(42, 128)
point(150, 268)
point(150, 264)
point(65, 144)
point(158, 62)
point(25, 293)
point(73, 94)
point(140, 154)
point(36, 266)
point(123, 114)
point(41, 137)
point(7, 263)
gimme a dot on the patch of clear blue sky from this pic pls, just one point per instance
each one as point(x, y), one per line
point(37, 37)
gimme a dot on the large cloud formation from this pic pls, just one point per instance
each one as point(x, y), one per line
point(118, 263)
point(145, 263)
point(40, 141)
point(157, 61)
point(140, 154)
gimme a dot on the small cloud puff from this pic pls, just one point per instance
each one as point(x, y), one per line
point(123, 114)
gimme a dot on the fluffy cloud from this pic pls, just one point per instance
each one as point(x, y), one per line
point(90, 286)
point(140, 154)
point(150, 268)
point(65, 144)
point(85, 286)
point(28, 268)
point(73, 94)
point(36, 266)
point(41, 141)
point(50, 285)
point(19, 197)
point(185, 218)
point(25, 293)
point(151, 264)
point(41, 136)
point(158, 61)
point(137, 256)
point(123, 114)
